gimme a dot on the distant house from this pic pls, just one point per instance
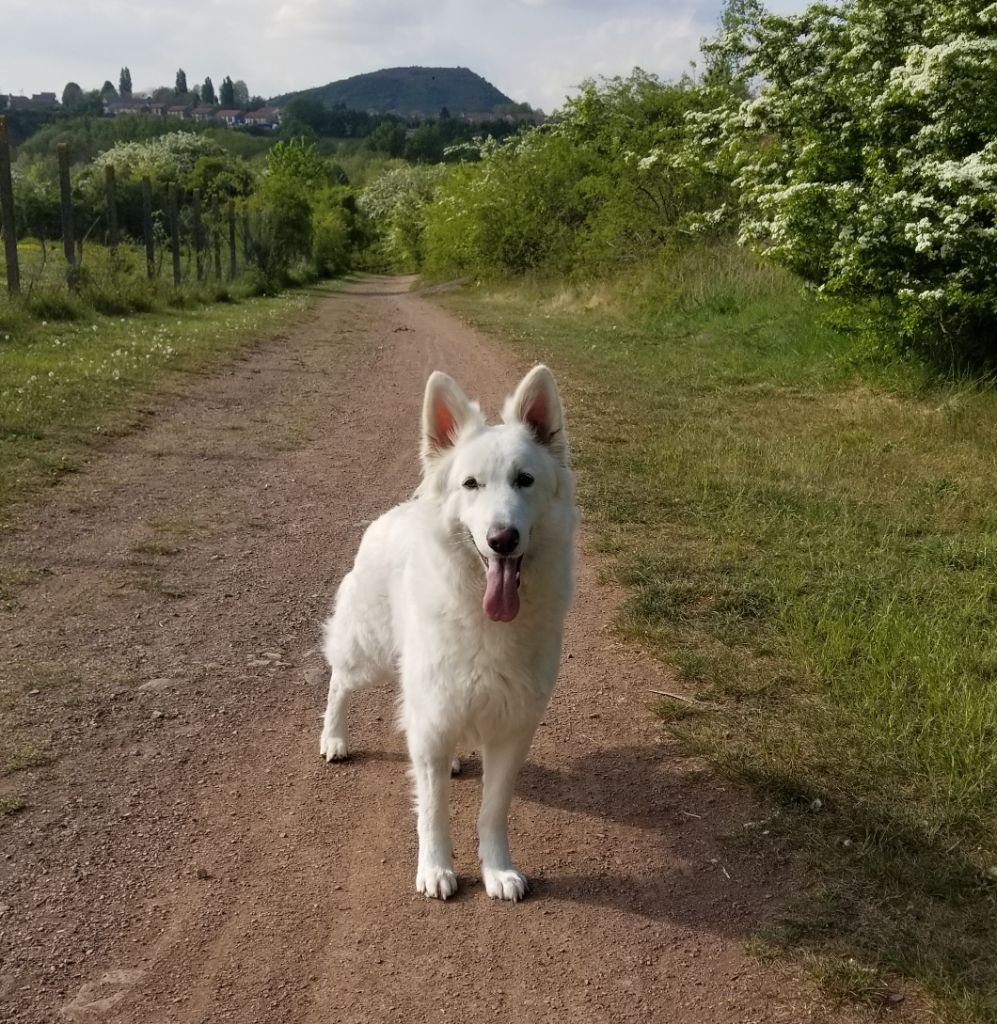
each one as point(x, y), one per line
point(180, 110)
point(514, 117)
point(203, 113)
point(266, 117)
point(230, 117)
point(136, 105)
point(39, 101)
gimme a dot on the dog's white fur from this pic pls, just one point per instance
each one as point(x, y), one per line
point(414, 605)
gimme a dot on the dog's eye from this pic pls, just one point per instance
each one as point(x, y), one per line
point(470, 483)
point(523, 480)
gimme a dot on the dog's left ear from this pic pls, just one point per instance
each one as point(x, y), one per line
point(536, 403)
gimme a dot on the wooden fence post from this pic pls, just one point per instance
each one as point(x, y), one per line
point(66, 196)
point(112, 209)
point(174, 232)
point(150, 244)
point(7, 212)
point(198, 227)
point(216, 237)
point(231, 240)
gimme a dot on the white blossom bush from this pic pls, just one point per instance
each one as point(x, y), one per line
point(867, 160)
point(395, 204)
point(166, 158)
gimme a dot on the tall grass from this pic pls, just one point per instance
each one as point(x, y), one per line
point(115, 283)
point(812, 549)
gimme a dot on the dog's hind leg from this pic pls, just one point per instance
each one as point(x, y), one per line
point(356, 650)
point(501, 762)
point(334, 744)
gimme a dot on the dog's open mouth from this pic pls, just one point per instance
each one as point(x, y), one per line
point(501, 602)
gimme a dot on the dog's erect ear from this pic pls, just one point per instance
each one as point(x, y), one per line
point(537, 403)
point(446, 411)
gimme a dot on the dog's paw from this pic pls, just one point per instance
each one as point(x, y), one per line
point(505, 884)
point(332, 748)
point(455, 766)
point(440, 883)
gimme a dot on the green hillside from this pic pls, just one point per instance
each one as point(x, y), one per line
point(408, 91)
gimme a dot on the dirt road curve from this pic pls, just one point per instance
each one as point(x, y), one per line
point(189, 858)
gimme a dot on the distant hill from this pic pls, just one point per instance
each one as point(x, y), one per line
point(407, 91)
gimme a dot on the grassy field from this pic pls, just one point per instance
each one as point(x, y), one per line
point(115, 283)
point(65, 386)
point(811, 547)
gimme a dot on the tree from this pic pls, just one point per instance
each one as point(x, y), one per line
point(388, 137)
point(72, 95)
point(240, 93)
point(282, 208)
point(208, 92)
point(867, 163)
point(180, 89)
point(396, 202)
point(305, 114)
point(226, 93)
point(108, 92)
point(125, 84)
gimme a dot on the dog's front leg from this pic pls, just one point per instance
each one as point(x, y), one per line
point(431, 769)
point(501, 762)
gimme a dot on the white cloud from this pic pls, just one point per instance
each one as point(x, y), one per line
point(535, 50)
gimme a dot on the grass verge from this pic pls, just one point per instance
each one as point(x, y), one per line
point(812, 549)
point(67, 386)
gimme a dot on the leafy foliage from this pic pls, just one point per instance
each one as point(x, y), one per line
point(299, 213)
point(867, 163)
point(396, 203)
point(605, 186)
point(167, 158)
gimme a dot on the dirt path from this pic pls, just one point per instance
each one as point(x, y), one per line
point(187, 856)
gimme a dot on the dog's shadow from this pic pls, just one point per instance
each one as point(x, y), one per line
point(654, 840)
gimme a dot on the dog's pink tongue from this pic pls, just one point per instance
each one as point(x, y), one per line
point(501, 601)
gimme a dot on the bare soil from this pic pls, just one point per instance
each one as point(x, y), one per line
point(186, 856)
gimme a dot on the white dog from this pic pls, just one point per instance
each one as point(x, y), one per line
point(462, 591)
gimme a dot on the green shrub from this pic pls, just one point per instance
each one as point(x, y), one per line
point(395, 207)
point(54, 304)
point(605, 186)
point(868, 162)
point(331, 242)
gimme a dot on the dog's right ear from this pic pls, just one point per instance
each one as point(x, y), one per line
point(446, 411)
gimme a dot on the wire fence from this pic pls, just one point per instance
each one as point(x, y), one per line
point(181, 237)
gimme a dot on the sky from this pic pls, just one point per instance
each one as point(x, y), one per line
point(532, 50)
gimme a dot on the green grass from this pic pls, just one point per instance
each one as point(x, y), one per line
point(812, 548)
point(34, 756)
point(11, 805)
point(114, 284)
point(66, 386)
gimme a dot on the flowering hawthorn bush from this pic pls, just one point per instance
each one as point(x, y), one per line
point(867, 160)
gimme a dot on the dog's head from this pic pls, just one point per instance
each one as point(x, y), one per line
point(496, 484)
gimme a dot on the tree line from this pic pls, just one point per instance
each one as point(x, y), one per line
point(230, 94)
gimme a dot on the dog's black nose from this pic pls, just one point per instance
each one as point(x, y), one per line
point(503, 540)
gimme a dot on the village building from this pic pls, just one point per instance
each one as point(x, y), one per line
point(266, 117)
